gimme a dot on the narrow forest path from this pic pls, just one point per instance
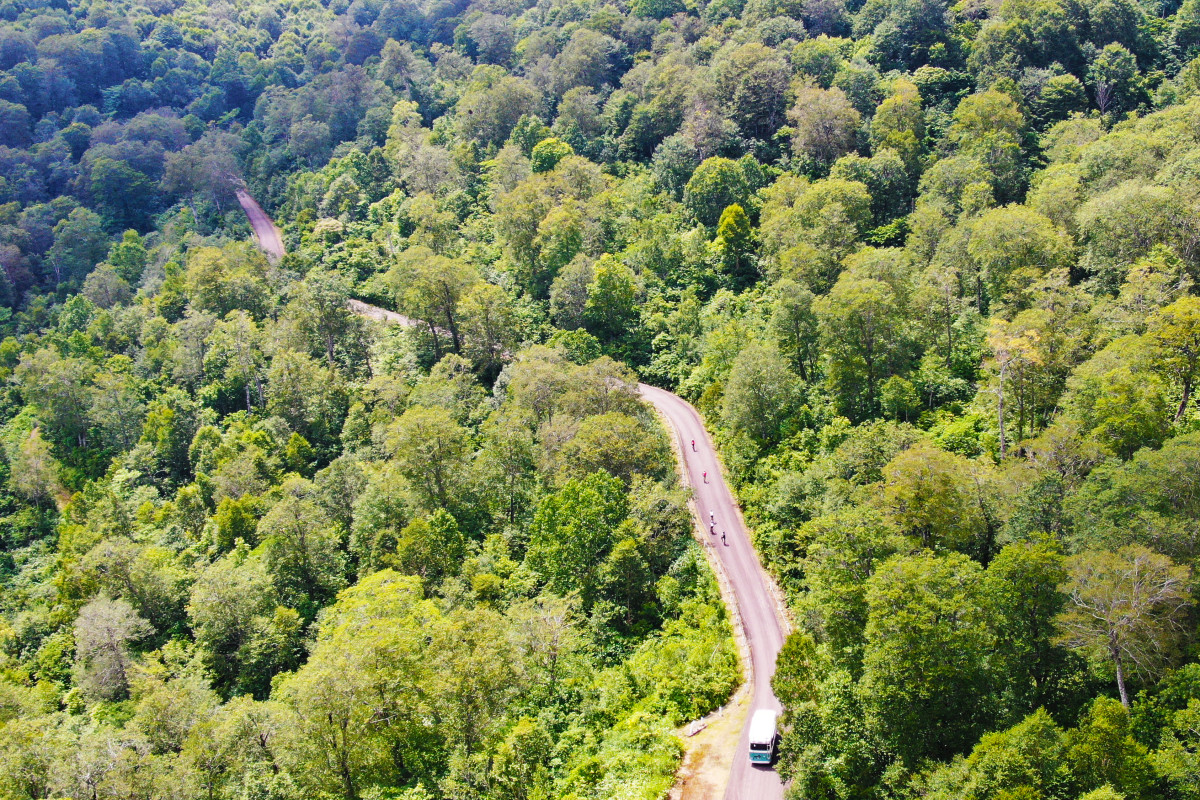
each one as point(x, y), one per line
point(754, 605)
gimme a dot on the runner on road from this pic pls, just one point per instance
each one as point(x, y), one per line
point(693, 445)
point(723, 538)
point(706, 477)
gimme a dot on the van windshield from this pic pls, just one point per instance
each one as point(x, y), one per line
point(760, 745)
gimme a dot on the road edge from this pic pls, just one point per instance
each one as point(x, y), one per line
point(778, 598)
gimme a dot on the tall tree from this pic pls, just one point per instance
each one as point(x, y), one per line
point(861, 329)
point(842, 551)
point(1022, 597)
point(79, 245)
point(925, 679)
point(795, 326)
point(572, 532)
point(1175, 332)
point(488, 327)
point(322, 308)
point(1126, 607)
point(1012, 350)
point(824, 125)
point(431, 449)
point(34, 470)
point(760, 393)
point(428, 287)
point(104, 630)
point(301, 551)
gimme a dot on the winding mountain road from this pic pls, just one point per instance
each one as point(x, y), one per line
point(269, 239)
point(755, 609)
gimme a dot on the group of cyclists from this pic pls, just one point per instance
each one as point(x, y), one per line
point(712, 527)
point(712, 517)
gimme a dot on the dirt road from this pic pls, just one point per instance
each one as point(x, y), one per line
point(757, 609)
point(269, 239)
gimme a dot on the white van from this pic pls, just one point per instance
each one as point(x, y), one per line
point(762, 736)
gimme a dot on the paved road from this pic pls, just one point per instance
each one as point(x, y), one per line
point(269, 239)
point(380, 314)
point(761, 625)
point(756, 608)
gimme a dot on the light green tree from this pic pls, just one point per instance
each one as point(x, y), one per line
point(301, 551)
point(1022, 597)
point(795, 326)
point(942, 499)
point(925, 678)
point(1178, 755)
point(616, 443)
point(432, 547)
point(547, 153)
point(1014, 246)
point(735, 246)
point(117, 407)
point(824, 124)
point(104, 630)
point(488, 327)
point(34, 470)
point(1102, 754)
point(862, 331)
point(1124, 608)
point(611, 308)
point(430, 449)
point(842, 550)
point(428, 287)
point(366, 691)
point(899, 124)
point(717, 184)
point(1175, 333)
point(759, 393)
point(228, 602)
point(572, 532)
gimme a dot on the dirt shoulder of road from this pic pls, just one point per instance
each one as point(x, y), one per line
point(708, 755)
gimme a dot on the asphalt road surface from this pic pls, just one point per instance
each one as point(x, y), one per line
point(380, 314)
point(269, 239)
point(756, 607)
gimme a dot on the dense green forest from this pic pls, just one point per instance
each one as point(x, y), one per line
point(928, 270)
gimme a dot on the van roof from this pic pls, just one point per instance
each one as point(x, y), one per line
point(762, 725)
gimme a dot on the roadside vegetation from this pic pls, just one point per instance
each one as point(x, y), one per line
point(928, 270)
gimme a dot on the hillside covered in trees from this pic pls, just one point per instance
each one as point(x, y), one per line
point(929, 271)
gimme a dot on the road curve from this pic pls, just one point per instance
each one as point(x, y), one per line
point(270, 241)
point(380, 314)
point(762, 626)
point(756, 607)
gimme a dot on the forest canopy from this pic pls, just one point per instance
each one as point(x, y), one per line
point(928, 270)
